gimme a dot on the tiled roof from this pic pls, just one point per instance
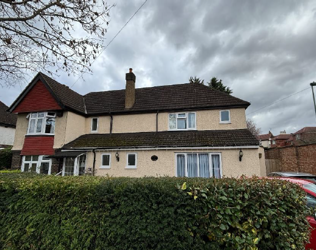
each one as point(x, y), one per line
point(209, 138)
point(306, 130)
point(6, 118)
point(66, 96)
point(282, 137)
point(161, 98)
point(264, 137)
point(168, 97)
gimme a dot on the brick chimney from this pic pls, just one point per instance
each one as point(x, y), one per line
point(130, 89)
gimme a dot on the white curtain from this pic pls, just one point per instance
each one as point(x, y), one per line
point(192, 165)
point(204, 166)
point(191, 120)
point(180, 165)
point(216, 166)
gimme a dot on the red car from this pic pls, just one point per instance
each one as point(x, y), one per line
point(310, 188)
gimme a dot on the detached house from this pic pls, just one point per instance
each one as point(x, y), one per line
point(175, 130)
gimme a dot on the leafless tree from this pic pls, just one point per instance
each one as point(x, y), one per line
point(49, 36)
point(251, 125)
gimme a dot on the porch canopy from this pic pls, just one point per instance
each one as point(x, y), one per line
point(66, 154)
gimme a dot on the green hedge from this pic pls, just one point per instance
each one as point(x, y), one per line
point(51, 212)
point(5, 158)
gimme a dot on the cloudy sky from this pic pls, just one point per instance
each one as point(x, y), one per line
point(264, 50)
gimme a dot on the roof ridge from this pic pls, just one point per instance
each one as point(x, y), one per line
point(159, 86)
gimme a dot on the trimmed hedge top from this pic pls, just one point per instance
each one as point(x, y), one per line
point(49, 212)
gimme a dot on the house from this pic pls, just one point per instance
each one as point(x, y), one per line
point(306, 135)
point(280, 140)
point(7, 126)
point(173, 130)
point(293, 152)
point(265, 140)
point(271, 141)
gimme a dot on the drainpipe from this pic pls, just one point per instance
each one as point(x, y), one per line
point(111, 124)
point(157, 121)
point(93, 167)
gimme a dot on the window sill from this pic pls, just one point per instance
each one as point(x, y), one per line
point(130, 167)
point(189, 129)
point(39, 135)
point(105, 167)
point(225, 123)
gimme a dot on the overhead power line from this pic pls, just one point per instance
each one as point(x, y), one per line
point(113, 38)
point(278, 101)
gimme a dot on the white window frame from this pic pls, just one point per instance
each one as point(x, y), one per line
point(220, 116)
point(105, 166)
point(94, 131)
point(76, 165)
point(134, 166)
point(187, 120)
point(198, 163)
point(38, 163)
point(46, 116)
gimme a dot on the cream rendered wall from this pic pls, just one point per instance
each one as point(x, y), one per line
point(134, 123)
point(166, 163)
point(205, 120)
point(68, 127)
point(7, 135)
point(210, 120)
point(20, 132)
point(263, 168)
point(103, 124)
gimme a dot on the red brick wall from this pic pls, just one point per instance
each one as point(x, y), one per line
point(293, 159)
point(38, 145)
point(37, 99)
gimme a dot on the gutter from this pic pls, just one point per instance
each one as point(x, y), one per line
point(159, 148)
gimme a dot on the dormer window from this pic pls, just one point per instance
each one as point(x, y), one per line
point(41, 123)
point(224, 116)
point(94, 125)
point(182, 121)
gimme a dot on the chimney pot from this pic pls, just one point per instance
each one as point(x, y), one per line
point(130, 70)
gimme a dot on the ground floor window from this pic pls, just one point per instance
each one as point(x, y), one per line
point(74, 165)
point(199, 165)
point(36, 163)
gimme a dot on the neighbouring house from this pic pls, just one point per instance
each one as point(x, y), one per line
point(294, 152)
point(7, 126)
point(172, 130)
point(280, 140)
point(304, 136)
point(266, 140)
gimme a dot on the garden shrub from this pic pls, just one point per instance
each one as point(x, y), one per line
point(5, 158)
point(53, 212)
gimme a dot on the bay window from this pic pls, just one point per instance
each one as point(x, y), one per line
point(37, 164)
point(41, 123)
point(198, 165)
point(182, 121)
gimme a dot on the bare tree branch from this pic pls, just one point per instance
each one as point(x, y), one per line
point(47, 35)
point(252, 127)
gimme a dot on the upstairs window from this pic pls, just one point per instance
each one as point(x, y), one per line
point(42, 123)
point(224, 116)
point(182, 121)
point(94, 125)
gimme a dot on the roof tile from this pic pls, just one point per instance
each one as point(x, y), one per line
point(209, 138)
